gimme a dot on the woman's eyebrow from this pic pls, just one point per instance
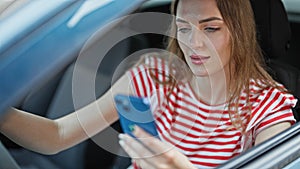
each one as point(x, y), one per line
point(209, 19)
point(181, 20)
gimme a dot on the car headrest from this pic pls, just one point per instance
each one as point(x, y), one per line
point(273, 27)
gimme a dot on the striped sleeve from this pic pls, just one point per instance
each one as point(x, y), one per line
point(277, 108)
point(141, 83)
point(142, 76)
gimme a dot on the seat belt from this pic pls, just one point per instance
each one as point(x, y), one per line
point(6, 160)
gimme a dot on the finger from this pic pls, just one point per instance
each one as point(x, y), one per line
point(133, 147)
point(141, 163)
point(126, 145)
point(139, 153)
point(151, 142)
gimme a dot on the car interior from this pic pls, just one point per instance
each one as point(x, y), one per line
point(277, 35)
point(284, 148)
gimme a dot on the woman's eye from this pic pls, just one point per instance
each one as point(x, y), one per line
point(184, 30)
point(211, 29)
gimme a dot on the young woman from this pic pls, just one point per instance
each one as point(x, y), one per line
point(224, 103)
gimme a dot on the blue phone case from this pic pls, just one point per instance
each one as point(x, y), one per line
point(134, 110)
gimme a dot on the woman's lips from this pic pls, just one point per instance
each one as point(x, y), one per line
point(199, 59)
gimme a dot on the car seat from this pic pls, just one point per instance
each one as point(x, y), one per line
point(274, 34)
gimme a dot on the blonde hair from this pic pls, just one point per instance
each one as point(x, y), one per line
point(246, 54)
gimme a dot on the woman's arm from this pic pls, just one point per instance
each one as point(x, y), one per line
point(31, 131)
point(51, 136)
point(271, 131)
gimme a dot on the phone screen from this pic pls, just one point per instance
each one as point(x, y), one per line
point(135, 110)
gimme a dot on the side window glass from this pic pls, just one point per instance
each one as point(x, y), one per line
point(7, 7)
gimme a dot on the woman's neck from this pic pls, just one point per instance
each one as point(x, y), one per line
point(212, 89)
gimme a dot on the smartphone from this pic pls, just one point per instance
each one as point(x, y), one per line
point(135, 110)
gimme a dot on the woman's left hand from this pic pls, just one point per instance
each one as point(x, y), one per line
point(151, 153)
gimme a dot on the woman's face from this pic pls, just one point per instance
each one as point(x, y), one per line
point(203, 36)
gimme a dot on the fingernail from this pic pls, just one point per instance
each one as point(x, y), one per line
point(121, 136)
point(131, 128)
point(121, 142)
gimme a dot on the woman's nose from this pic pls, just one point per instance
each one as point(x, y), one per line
point(197, 38)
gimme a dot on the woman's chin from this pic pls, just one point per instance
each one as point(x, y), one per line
point(200, 73)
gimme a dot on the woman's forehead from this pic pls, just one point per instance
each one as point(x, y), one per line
point(197, 9)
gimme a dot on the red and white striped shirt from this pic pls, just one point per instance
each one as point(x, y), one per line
point(204, 132)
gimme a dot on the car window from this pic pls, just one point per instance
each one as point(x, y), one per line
point(7, 7)
point(25, 43)
point(293, 165)
point(292, 6)
point(284, 148)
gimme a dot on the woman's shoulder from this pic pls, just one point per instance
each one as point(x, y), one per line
point(161, 65)
point(152, 64)
point(262, 93)
point(150, 60)
point(270, 104)
point(152, 57)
